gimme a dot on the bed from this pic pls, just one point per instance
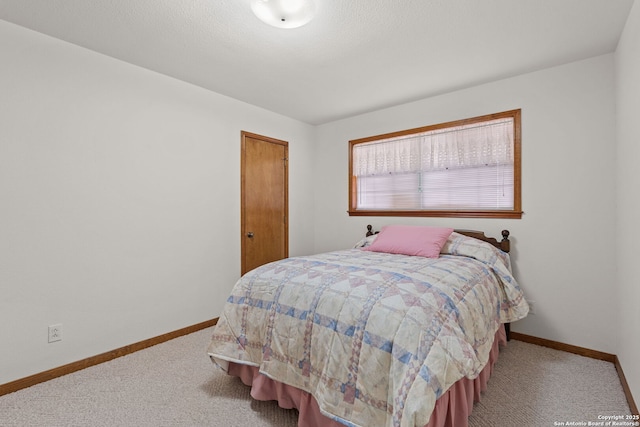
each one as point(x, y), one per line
point(376, 335)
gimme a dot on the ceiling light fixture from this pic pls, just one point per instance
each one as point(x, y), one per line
point(284, 13)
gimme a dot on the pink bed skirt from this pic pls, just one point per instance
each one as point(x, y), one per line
point(451, 410)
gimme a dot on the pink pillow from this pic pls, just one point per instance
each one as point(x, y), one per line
point(410, 240)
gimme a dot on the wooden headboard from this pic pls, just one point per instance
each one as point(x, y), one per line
point(504, 244)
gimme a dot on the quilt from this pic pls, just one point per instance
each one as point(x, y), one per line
point(376, 338)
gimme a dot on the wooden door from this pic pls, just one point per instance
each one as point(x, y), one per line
point(264, 194)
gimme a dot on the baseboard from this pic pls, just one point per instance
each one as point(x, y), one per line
point(100, 358)
point(581, 351)
point(626, 388)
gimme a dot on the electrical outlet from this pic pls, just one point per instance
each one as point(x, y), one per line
point(55, 332)
point(532, 307)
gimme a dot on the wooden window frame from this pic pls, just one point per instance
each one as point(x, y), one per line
point(515, 213)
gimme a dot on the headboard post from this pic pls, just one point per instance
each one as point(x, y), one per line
point(505, 244)
point(370, 230)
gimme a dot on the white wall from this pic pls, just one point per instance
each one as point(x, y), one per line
point(564, 246)
point(628, 198)
point(119, 197)
point(119, 200)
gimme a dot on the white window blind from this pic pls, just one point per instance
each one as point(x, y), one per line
point(467, 167)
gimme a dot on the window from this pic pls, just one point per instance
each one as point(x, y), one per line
point(466, 168)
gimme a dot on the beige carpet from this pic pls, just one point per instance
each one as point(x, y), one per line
point(175, 384)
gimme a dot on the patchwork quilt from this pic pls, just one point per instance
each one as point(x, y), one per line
point(376, 338)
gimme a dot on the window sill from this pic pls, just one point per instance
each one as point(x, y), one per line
point(441, 214)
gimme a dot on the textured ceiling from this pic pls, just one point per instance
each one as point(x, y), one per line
point(355, 56)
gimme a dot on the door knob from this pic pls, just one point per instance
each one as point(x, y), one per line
point(250, 234)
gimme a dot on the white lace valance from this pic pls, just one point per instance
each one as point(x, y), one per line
point(477, 144)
